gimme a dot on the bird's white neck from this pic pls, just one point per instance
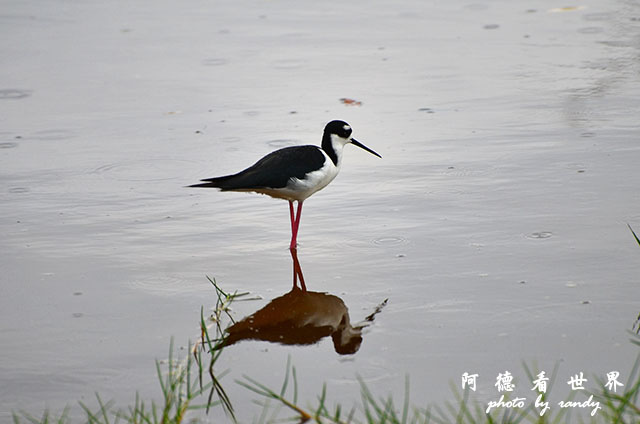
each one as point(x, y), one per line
point(333, 145)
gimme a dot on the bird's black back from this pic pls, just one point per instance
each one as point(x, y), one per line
point(272, 171)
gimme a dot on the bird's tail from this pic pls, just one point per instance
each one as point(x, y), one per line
point(228, 182)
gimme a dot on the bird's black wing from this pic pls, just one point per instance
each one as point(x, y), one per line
point(272, 171)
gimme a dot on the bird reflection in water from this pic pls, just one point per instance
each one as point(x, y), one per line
point(302, 317)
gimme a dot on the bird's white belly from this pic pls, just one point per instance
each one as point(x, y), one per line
point(300, 189)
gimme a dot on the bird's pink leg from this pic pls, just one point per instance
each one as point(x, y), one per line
point(295, 225)
point(291, 215)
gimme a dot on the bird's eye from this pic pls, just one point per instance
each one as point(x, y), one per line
point(346, 128)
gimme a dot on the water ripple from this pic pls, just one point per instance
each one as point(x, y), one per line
point(539, 235)
point(144, 170)
point(13, 93)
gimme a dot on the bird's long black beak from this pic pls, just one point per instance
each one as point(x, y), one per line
point(362, 146)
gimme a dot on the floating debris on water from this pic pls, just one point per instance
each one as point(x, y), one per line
point(566, 9)
point(350, 102)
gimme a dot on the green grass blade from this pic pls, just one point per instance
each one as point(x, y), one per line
point(634, 234)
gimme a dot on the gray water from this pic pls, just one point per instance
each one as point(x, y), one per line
point(495, 224)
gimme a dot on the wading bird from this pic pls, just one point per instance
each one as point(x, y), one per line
point(293, 173)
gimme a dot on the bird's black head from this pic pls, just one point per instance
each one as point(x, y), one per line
point(339, 128)
point(339, 132)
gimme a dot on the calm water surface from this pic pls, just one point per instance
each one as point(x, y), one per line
point(495, 224)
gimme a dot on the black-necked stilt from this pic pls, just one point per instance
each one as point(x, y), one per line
point(293, 173)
